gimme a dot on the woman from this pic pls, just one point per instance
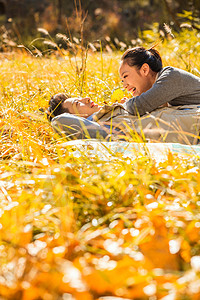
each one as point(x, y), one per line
point(152, 85)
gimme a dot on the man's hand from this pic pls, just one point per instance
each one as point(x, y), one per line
point(164, 105)
point(123, 100)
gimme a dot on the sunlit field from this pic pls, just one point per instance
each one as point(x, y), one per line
point(88, 226)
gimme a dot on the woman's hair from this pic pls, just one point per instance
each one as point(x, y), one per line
point(138, 56)
point(55, 106)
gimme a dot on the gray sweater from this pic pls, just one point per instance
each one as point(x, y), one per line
point(175, 86)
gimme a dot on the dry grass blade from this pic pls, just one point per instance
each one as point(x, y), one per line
point(168, 30)
point(42, 30)
point(50, 43)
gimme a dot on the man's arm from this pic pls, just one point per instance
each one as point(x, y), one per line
point(75, 127)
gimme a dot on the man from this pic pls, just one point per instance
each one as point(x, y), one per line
point(80, 118)
point(72, 116)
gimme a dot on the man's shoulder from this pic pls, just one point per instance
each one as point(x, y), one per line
point(65, 119)
point(63, 115)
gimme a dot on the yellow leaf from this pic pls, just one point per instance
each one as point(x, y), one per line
point(117, 95)
point(157, 247)
point(193, 232)
point(185, 251)
point(32, 293)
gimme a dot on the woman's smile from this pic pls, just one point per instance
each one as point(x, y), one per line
point(135, 80)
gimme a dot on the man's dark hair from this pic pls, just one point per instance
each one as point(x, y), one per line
point(55, 106)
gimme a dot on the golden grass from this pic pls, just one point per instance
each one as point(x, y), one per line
point(84, 227)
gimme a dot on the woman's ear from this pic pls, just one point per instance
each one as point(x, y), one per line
point(145, 69)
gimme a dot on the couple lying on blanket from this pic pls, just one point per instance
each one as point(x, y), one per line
point(165, 106)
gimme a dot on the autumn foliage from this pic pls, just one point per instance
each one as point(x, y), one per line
point(76, 224)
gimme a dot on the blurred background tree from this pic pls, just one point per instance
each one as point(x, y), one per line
point(114, 19)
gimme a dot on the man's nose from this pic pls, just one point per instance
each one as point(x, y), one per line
point(125, 85)
point(85, 100)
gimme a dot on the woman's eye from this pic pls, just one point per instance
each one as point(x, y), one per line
point(125, 76)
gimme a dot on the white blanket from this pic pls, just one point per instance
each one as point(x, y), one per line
point(113, 150)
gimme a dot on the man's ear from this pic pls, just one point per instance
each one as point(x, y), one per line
point(145, 69)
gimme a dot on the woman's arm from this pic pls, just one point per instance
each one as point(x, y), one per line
point(167, 87)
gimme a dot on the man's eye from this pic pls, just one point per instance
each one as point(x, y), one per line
point(125, 76)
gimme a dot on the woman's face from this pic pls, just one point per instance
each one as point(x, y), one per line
point(135, 80)
point(83, 107)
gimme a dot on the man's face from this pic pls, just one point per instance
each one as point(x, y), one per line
point(134, 80)
point(82, 107)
